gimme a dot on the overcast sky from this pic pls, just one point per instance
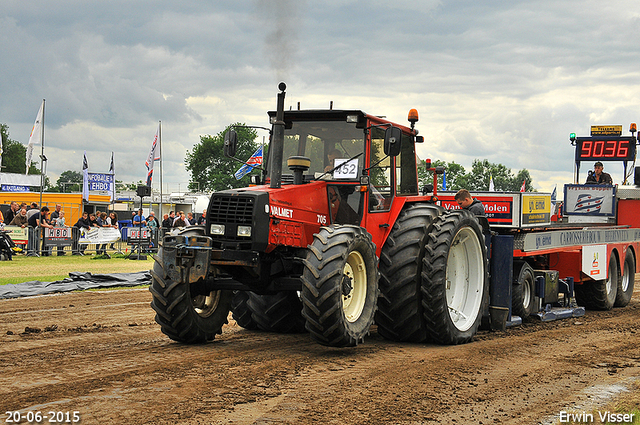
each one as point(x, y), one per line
point(502, 80)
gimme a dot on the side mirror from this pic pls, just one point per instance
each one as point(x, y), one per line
point(392, 138)
point(230, 143)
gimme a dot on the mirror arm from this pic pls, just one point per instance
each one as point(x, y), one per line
point(370, 167)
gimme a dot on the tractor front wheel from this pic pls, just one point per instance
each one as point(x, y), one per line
point(183, 316)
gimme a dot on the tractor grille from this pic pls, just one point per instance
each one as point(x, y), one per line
point(231, 210)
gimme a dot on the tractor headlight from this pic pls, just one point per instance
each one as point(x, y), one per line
point(244, 231)
point(217, 229)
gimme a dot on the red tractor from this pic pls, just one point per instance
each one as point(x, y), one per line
point(338, 238)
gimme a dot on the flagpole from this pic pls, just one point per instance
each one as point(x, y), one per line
point(41, 157)
point(160, 143)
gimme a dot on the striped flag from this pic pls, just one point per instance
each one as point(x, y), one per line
point(524, 186)
point(254, 161)
point(588, 204)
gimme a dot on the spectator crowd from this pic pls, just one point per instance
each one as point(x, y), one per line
point(35, 219)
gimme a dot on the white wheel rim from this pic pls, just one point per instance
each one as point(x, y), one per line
point(353, 302)
point(526, 294)
point(612, 273)
point(465, 279)
point(206, 305)
point(625, 276)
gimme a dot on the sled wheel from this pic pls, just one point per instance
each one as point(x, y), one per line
point(241, 312)
point(399, 316)
point(184, 317)
point(340, 285)
point(600, 294)
point(625, 287)
point(454, 278)
point(280, 312)
point(523, 290)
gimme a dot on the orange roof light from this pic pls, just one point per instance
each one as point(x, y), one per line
point(633, 128)
point(413, 116)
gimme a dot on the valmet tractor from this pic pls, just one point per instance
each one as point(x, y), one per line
point(334, 239)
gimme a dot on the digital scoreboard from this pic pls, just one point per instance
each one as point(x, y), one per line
point(605, 148)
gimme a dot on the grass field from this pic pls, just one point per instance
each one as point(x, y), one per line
point(49, 269)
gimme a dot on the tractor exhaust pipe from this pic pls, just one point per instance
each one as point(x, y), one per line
point(277, 144)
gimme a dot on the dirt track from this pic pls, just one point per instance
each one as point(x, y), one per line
point(101, 354)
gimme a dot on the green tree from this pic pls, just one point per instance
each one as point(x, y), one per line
point(478, 178)
point(210, 168)
point(69, 181)
point(454, 173)
point(516, 182)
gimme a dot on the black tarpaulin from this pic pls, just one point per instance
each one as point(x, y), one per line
point(75, 281)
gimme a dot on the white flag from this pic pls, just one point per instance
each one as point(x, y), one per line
point(154, 155)
point(35, 137)
point(85, 178)
point(491, 186)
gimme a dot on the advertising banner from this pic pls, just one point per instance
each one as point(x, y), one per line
point(100, 181)
point(536, 208)
point(589, 200)
point(139, 236)
point(501, 209)
point(14, 188)
point(17, 234)
point(98, 235)
point(58, 236)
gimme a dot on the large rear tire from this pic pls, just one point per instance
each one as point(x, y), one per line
point(455, 284)
point(400, 316)
point(340, 285)
point(280, 312)
point(600, 294)
point(523, 290)
point(626, 282)
point(184, 317)
point(240, 312)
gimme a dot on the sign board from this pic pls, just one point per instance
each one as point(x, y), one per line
point(594, 261)
point(536, 208)
point(589, 200)
point(536, 241)
point(102, 182)
point(138, 236)
point(19, 235)
point(58, 236)
point(606, 130)
point(14, 188)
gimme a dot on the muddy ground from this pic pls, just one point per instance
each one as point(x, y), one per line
point(102, 355)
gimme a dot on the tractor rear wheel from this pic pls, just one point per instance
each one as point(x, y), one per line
point(455, 280)
point(399, 316)
point(241, 312)
point(523, 290)
point(626, 282)
point(340, 285)
point(184, 317)
point(600, 294)
point(280, 312)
